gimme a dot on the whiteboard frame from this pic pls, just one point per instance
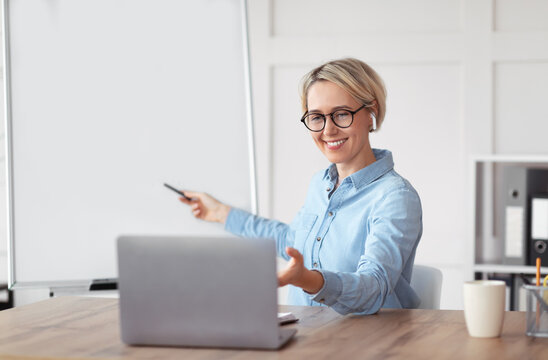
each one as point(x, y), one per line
point(12, 281)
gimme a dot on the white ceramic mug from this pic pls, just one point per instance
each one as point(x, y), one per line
point(484, 302)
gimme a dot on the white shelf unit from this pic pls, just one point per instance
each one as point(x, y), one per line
point(508, 269)
point(486, 248)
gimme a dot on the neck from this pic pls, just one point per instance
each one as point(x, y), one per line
point(347, 169)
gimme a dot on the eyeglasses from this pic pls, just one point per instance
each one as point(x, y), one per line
point(341, 118)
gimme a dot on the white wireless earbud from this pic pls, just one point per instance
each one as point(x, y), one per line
point(374, 118)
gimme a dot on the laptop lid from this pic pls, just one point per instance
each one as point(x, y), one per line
point(198, 291)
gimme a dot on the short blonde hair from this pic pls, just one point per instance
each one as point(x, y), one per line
point(356, 77)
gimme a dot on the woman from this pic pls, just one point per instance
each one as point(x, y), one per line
point(352, 245)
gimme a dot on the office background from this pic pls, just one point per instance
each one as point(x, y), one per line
point(464, 77)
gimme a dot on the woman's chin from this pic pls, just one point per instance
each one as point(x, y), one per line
point(334, 158)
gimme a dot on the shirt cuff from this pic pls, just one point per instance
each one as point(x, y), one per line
point(331, 289)
point(235, 221)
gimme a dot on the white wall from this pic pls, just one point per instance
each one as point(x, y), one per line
point(463, 77)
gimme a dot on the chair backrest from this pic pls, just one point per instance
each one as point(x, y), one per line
point(426, 281)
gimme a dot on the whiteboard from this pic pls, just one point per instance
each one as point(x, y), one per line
point(105, 101)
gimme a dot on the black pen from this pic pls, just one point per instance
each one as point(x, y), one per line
point(177, 191)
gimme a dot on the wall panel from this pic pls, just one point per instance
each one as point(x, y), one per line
point(521, 15)
point(343, 17)
point(423, 130)
point(521, 114)
point(295, 157)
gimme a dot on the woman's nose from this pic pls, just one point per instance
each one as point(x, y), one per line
point(330, 127)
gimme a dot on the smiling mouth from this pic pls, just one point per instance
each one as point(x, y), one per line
point(335, 144)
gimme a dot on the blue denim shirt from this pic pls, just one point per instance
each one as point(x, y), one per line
point(362, 237)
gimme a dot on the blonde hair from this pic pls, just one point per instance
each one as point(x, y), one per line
point(356, 77)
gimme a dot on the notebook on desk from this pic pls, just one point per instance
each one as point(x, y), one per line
point(199, 292)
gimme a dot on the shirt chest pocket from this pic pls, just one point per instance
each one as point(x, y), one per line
point(303, 229)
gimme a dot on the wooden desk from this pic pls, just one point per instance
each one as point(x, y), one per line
point(79, 327)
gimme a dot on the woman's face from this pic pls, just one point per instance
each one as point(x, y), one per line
point(346, 147)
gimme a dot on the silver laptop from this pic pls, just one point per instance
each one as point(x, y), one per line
point(199, 292)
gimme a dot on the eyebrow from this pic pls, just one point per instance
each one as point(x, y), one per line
point(340, 107)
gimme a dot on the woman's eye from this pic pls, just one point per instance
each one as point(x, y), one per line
point(342, 115)
point(316, 118)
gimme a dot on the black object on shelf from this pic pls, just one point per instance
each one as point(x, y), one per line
point(104, 284)
point(9, 295)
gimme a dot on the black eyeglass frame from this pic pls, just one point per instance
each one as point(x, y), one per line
point(332, 119)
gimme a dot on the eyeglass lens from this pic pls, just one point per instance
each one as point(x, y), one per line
point(316, 122)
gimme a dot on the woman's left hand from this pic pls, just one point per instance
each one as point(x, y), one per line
point(297, 274)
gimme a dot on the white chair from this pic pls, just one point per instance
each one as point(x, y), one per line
point(426, 281)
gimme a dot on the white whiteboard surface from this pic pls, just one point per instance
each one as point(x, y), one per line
point(106, 101)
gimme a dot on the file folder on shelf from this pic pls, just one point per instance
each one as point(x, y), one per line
point(519, 185)
point(538, 240)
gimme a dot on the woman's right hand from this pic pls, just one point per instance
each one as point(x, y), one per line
point(206, 207)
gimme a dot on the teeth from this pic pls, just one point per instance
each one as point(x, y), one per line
point(335, 143)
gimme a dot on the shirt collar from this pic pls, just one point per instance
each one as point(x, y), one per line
point(383, 164)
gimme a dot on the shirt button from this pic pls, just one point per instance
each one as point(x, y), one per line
point(330, 213)
point(315, 264)
point(328, 189)
point(319, 238)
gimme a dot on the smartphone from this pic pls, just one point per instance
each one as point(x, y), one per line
point(177, 191)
